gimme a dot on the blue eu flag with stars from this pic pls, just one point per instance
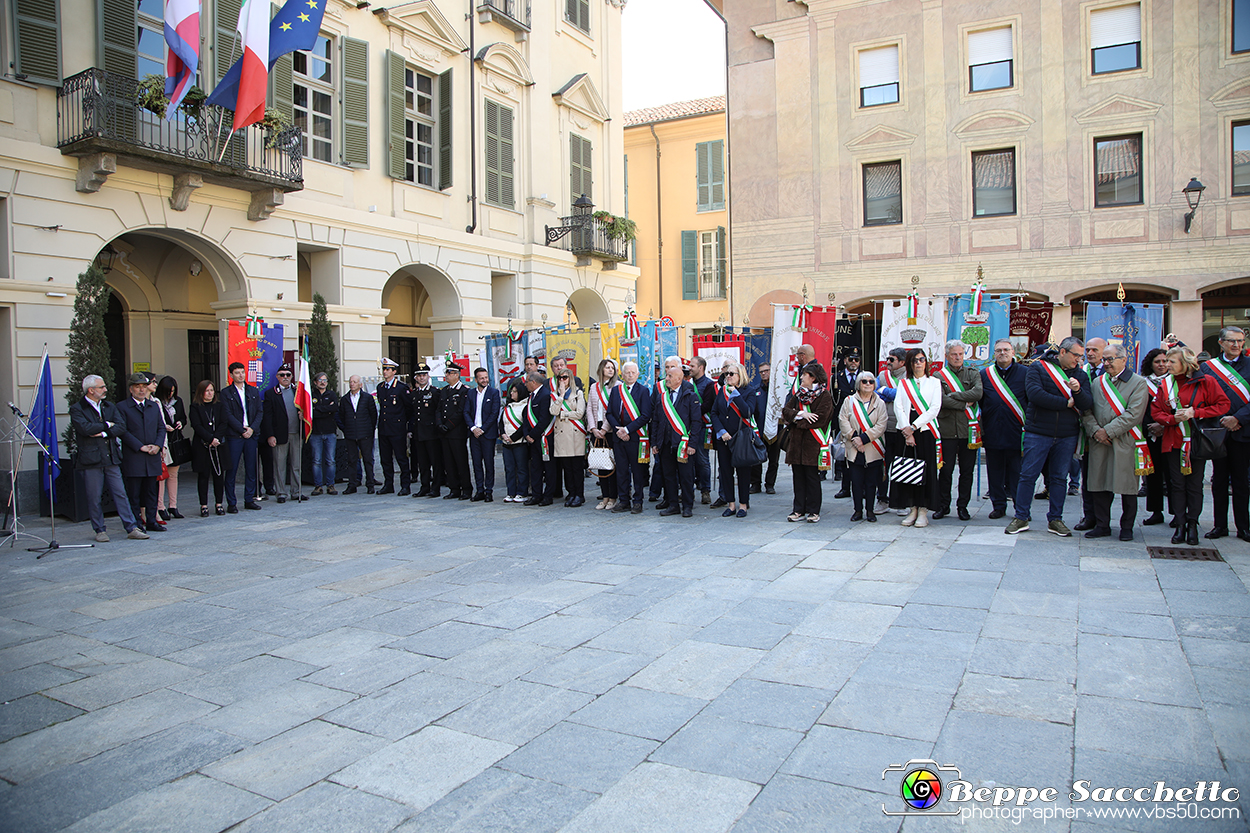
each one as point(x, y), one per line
point(43, 425)
point(294, 28)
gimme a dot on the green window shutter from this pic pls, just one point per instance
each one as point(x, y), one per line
point(444, 131)
point(690, 266)
point(396, 141)
point(499, 170)
point(507, 197)
point(583, 19)
point(716, 170)
point(37, 40)
point(721, 258)
point(580, 179)
point(118, 37)
point(355, 102)
point(703, 176)
point(282, 86)
point(226, 44)
point(492, 152)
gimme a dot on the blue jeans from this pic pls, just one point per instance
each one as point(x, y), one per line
point(516, 468)
point(1037, 450)
point(323, 446)
point(95, 480)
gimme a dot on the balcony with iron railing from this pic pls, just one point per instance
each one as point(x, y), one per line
point(588, 236)
point(513, 14)
point(98, 113)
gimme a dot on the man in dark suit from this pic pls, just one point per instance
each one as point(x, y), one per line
point(243, 416)
point(427, 442)
point(281, 431)
point(628, 418)
point(394, 414)
point(481, 415)
point(98, 428)
point(675, 420)
point(455, 431)
point(358, 417)
point(537, 423)
point(705, 390)
point(142, 444)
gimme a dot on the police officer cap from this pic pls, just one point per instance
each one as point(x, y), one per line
point(452, 367)
point(286, 368)
point(423, 368)
point(389, 363)
point(853, 354)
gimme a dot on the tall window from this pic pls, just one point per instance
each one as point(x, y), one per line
point(1115, 38)
point(499, 170)
point(703, 265)
point(314, 98)
point(990, 56)
point(1117, 170)
point(203, 356)
point(419, 127)
point(993, 182)
point(1241, 159)
point(883, 193)
point(1241, 25)
point(577, 12)
point(878, 76)
point(710, 173)
point(581, 180)
point(151, 38)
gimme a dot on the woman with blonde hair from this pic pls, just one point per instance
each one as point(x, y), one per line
point(863, 419)
point(568, 410)
point(733, 411)
point(597, 420)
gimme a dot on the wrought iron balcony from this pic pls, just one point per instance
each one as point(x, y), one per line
point(586, 236)
point(98, 113)
point(514, 14)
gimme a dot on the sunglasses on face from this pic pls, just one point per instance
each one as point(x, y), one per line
point(287, 375)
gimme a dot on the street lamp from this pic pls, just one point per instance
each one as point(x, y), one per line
point(1193, 196)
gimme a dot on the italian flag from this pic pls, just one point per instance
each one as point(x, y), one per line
point(254, 66)
point(303, 391)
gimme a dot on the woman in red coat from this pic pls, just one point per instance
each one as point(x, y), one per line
point(1183, 397)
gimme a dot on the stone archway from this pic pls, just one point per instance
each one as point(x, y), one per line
point(589, 308)
point(424, 317)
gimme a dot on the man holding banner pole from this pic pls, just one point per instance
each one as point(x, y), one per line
point(959, 425)
point(1232, 370)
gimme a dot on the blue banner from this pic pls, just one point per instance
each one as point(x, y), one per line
point(758, 347)
point(666, 345)
point(43, 425)
point(979, 336)
point(269, 345)
point(1139, 327)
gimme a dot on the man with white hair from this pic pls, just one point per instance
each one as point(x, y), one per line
point(675, 424)
point(628, 418)
point(1117, 448)
point(959, 424)
point(98, 429)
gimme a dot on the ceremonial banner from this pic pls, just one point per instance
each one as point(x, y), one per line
point(261, 355)
point(786, 341)
point(666, 339)
point(757, 344)
point(1030, 325)
point(574, 347)
point(716, 350)
point(645, 348)
point(610, 336)
point(978, 332)
point(927, 330)
point(821, 333)
point(848, 334)
point(503, 363)
point(535, 345)
point(1131, 324)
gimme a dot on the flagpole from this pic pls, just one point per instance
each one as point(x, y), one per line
point(46, 365)
point(222, 110)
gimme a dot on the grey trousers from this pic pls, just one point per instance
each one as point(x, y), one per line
point(95, 480)
point(287, 460)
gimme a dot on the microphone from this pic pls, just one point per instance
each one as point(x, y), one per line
point(16, 411)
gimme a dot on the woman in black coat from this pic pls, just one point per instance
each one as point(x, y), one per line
point(734, 411)
point(175, 420)
point(208, 421)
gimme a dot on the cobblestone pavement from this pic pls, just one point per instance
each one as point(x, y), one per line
point(362, 663)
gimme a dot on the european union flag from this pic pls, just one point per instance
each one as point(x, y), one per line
point(294, 28)
point(43, 424)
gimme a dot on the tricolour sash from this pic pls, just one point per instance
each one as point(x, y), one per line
point(823, 436)
point(1061, 380)
point(1187, 431)
point(912, 388)
point(631, 410)
point(970, 408)
point(1142, 464)
point(1005, 393)
point(577, 423)
point(512, 421)
point(677, 423)
point(1228, 374)
point(865, 423)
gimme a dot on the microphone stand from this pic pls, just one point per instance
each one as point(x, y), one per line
point(51, 543)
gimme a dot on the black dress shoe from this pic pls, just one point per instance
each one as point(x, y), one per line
point(464, 496)
point(255, 504)
point(995, 514)
point(662, 506)
point(637, 510)
point(1155, 518)
point(870, 517)
point(845, 493)
point(231, 510)
point(281, 498)
point(1099, 532)
point(370, 490)
point(404, 492)
point(478, 497)
point(576, 502)
point(1243, 535)
point(719, 502)
point(450, 496)
point(530, 501)
point(1217, 532)
point(488, 498)
point(963, 514)
point(1191, 537)
point(769, 490)
point(1084, 524)
point(350, 490)
point(1126, 535)
point(653, 498)
point(422, 493)
point(270, 492)
point(857, 516)
point(545, 502)
point(154, 528)
point(300, 498)
point(687, 513)
point(754, 490)
point(387, 490)
point(620, 508)
point(1175, 522)
point(567, 501)
point(164, 515)
point(940, 514)
point(434, 493)
point(671, 510)
point(1178, 537)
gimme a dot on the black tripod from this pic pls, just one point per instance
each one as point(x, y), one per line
point(50, 544)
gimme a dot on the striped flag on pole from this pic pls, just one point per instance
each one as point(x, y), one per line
point(182, 60)
point(303, 390)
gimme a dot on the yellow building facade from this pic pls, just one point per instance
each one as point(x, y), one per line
point(676, 164)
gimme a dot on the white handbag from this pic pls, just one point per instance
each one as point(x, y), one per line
point(600, 458)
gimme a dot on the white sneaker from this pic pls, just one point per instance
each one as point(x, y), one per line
point(881, 508)
point(509, 499)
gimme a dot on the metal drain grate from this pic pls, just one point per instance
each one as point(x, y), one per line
point(1185, 553)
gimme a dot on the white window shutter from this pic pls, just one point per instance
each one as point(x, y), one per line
point(990, 46)
point(878, 66)
point(1112, 27)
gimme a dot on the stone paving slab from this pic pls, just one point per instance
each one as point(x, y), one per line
point(368, 663)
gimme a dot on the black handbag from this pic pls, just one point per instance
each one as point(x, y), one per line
point(179, 451)
point(748, 449)
point(1208, 439)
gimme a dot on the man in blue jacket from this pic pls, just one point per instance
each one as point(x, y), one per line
point(628, 418)
point(142, 444)
point(1231, 369)
point(1002, 424)
point(481, 414)
point(676, 429)
point(1058, 393)
point(241, 402)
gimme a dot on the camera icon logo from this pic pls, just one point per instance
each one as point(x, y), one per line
point(921, 787)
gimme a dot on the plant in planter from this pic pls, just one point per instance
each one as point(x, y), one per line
point(193, 103)
point(617, 228)
point(275, 123)
point(150, 95)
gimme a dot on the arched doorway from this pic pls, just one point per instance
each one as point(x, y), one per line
point(1225, 306)
point(1139, 295)
point(424, 317)
point(589, 308)
point(115, 333)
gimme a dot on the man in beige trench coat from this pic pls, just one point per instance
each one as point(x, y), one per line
point(1112, 428)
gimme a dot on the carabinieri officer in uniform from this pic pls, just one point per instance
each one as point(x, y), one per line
point(394, 414)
